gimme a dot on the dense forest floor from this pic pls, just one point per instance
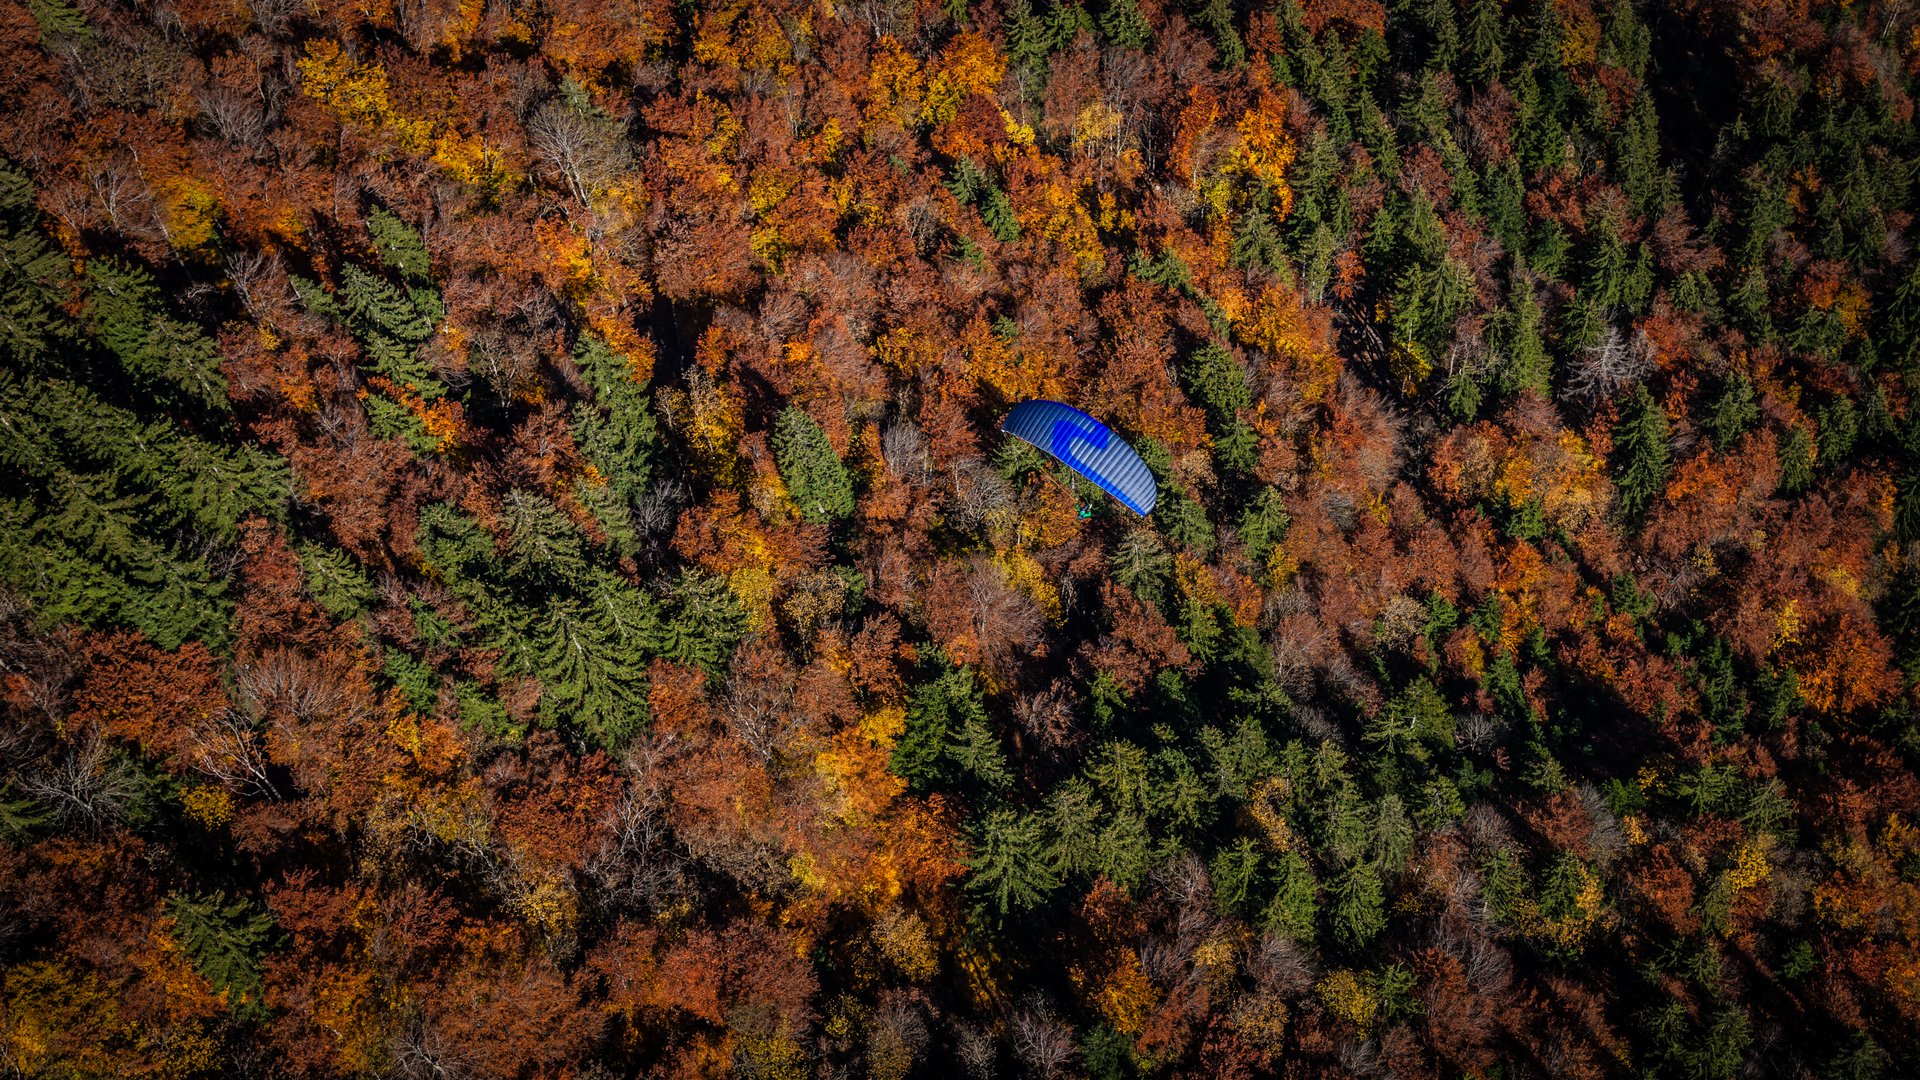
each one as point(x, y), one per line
point(508, 565)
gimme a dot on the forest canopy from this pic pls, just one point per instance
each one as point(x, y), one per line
point(509, 566)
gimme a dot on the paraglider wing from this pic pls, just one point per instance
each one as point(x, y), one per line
point(1086, 446)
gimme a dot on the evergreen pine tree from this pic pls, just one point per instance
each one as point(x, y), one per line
point(1218, 384)
point(617, 434)
point(816, 479)
point(1641, 454)
point(545, 549)
point(1485, 56)
point(1122, 24)
point(937, 712)
point(336, 582)
point(1316, 274)
point(1027, 39)
point(1140, 563)
point(1234, 869)
point(1392, 839)
point(1359, 905)
point(1216, 18)
point(61, 23)
point(1072, 822)
point(1796, 460)
point(1256, 240)
point(227, 941)
point(1064, 23)
point(164, 355)
point(416, 680)
point(399, 245)
point(705, 624)
point(1900, 321)
point(592, 671)
point(1540, 140)
point(1296, 898)
point(106, 501)
point(1839, 425)
point(33, 278)
point(1125, 849)
point(391, 323)
point(1263, 523)
point(996, 210)
point(1733, 412)
point(1183, 519)
point(1010, 869)
point(1440, 32)
point(1503, 202)
point(976, 751)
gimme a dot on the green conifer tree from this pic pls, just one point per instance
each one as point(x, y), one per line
point(1010, 869)
point(1216, 18)
point(1263, 523)
point(977, 753)
point(61, 23)
point(1122, 24)
point(1141, 563)
point(1796, 460)
point(1483, 41)
point(617, 434)
point(1027, 38)
point(164, 355)
point(1218, 384)
point(592, 669)
point(1072, 825)
point(107, 502)
point(817, 481)
point(227, 942)
point(1064, 23)
point(399, 244)
point(1839, 424)
point(1733, 413)
point(1256, 240)
point(706, 622)
point(1641, 454)
point(1296, 899)
point(336, 582)
point(937, 712)
point(1359, 905)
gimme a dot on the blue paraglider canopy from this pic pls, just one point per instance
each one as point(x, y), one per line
point(1089, 448)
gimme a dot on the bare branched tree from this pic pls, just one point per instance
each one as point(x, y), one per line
point(587, 152)
point(760, 713)
point(297, 684)
point(656, 513)
point(421, 1051)
point(641, 863)
point(975, 1048)
point(87, 784)
point(1605, 838)
point(1279, 966)
point(1479, 731)
point(905, 452)
point(896, 1039)
point(1622, 357)
point(981, 496)
point(228, 748)
point(252, 274)
point(233, 114)
point(1042, 1042)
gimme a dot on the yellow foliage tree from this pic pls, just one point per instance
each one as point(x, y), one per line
point(970, 64)
point(1279, 325)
